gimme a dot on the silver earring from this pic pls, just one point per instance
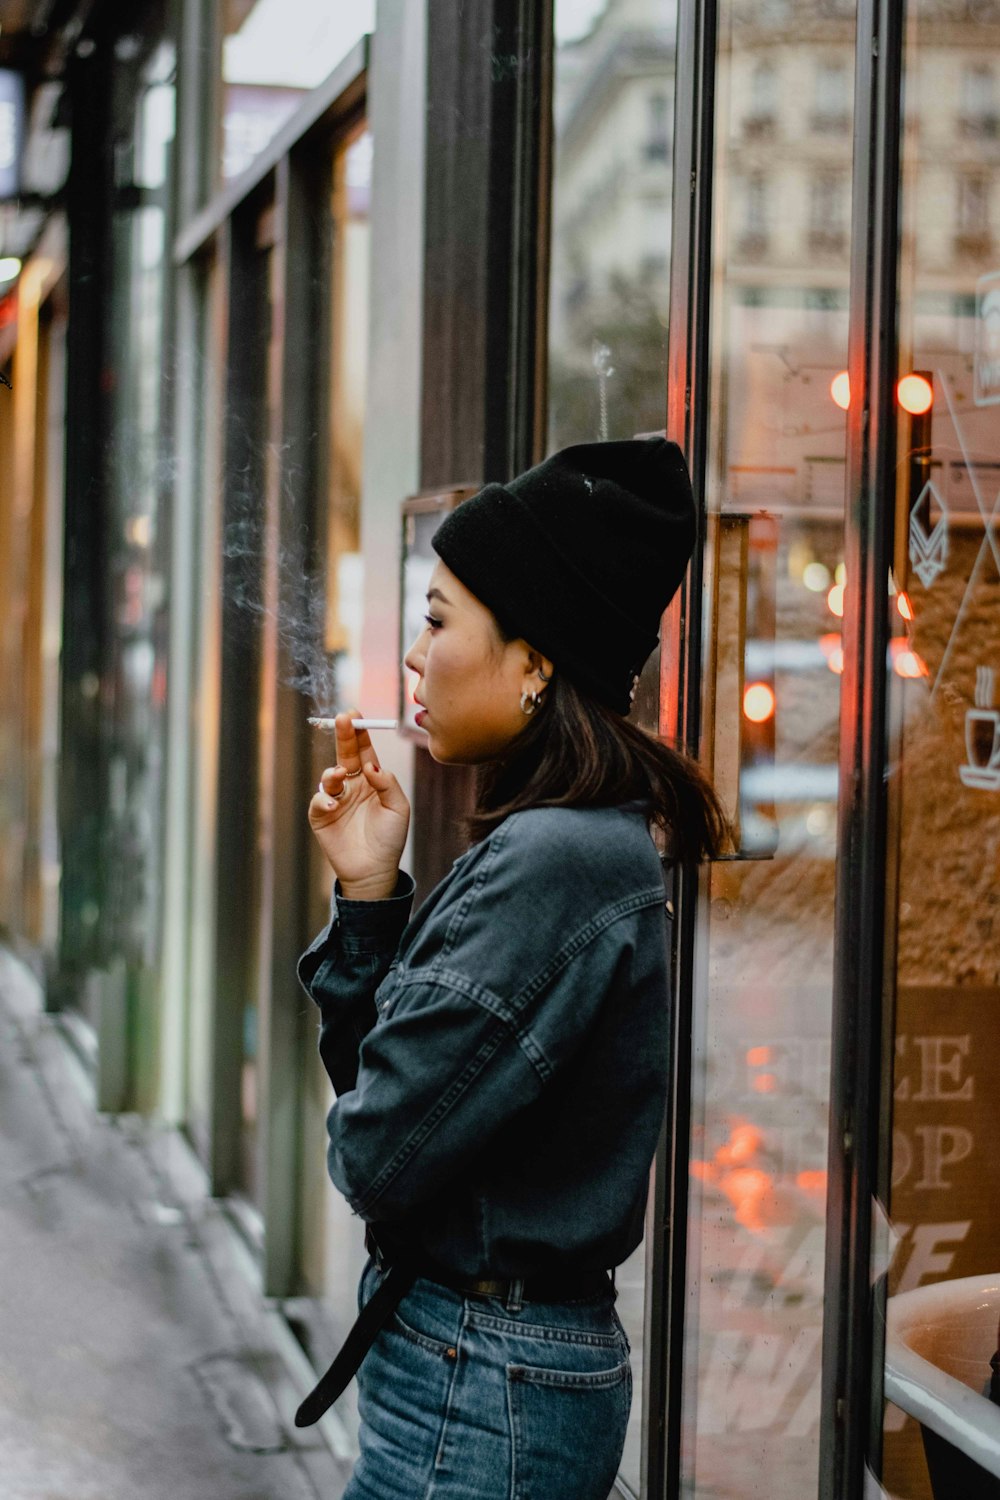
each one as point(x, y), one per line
point(543, 676)
point(533, 698)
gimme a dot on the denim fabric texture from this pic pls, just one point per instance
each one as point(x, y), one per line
point(499, 1058)
point(473, 1398)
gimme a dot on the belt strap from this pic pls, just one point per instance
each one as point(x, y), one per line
point(396, 1279)
point(395, 1283)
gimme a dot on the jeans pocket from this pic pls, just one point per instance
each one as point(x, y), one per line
point(440, 1347)
point(567, 1429)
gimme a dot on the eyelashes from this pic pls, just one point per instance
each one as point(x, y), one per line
point(432, 621)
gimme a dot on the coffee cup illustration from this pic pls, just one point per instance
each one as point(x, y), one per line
point(982, 736)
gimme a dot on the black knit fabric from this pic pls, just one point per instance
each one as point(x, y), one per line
point(580, 556)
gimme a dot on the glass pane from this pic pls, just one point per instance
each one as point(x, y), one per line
point(943, 898)
point(144, 93)
point(333, 1250)
point(772, 672)
point(609, 294)
point(349, 343)
point(274, 52)
point(608, 301)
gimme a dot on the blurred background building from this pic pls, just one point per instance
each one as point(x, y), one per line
point(280, 283)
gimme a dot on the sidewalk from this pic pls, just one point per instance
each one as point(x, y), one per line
point(136, 1361)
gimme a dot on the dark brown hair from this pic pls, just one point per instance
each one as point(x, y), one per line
point(574, 752)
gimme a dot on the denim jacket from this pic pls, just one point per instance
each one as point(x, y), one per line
point(499, 1059)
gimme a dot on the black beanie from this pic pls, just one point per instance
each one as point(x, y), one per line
point(580, 556)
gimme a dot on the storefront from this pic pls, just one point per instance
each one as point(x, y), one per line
point(308, 284)
point(772, 230)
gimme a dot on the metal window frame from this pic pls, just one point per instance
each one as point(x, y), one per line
point(686, 424)
point(327, 108)
point(285, 178)
point(863, 1000)
point(863, 1004)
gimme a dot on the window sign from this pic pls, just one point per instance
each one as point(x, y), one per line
point(11, 132)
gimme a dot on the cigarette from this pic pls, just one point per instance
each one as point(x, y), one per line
point(358, 723)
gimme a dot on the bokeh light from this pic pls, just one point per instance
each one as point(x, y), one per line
point(758, 702)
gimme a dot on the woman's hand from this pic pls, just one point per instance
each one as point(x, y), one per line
point(361, 821)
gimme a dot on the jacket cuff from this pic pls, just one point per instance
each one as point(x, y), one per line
point(373, 924)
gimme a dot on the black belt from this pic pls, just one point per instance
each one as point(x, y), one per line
point(397, 1278)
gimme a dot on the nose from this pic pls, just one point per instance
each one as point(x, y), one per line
point(411, 660)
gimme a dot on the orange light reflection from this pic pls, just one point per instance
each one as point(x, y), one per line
point(758, 702)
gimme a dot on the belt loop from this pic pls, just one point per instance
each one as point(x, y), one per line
point(515, 1291)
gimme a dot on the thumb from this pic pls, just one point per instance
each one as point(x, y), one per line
point(386, 788)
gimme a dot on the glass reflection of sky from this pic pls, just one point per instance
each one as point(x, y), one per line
point(295, 43)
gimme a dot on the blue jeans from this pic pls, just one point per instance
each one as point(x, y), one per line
point(474, 1398)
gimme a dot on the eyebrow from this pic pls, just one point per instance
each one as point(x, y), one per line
point(437, 594)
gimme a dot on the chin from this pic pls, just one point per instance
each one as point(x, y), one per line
point(460, 755)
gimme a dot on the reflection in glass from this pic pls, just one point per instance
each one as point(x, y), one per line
point(332, 1250)
point(943, 897)
point(614, 92)
point(349, 363)
point(274, 52)
point(144, 95)
point(608, 299)
point(775, 585)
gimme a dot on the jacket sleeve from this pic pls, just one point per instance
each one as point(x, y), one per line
point(344, 966)
point(469, 1040)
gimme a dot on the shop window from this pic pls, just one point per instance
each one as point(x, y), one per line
point(772, 664)
point(609, 289)
point(608, 303)
point(274, 52)
point(350, 191)
point(942, 761)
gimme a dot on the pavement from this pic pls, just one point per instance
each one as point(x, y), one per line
point(138, 1361)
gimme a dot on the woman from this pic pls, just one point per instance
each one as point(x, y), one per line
point(499, 1059)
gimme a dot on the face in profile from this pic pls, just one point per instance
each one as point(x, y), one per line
point(468, 681)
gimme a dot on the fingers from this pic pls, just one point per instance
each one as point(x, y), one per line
point(387, 789)
point(328, 795)
point(332, 781)
point(354, 746)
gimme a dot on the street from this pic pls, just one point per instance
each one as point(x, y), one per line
point(136, 1361)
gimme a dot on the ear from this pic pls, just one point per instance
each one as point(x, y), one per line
point(539, 665)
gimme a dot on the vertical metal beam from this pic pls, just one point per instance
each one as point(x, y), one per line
point(518, 217)
point(199, 118)
point(302, 186)
point(488, 131)
point(489, 68)
point(82, 793)
point(687, 424)
point(181, 446)
point(236, 793)
point(862, 1001)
